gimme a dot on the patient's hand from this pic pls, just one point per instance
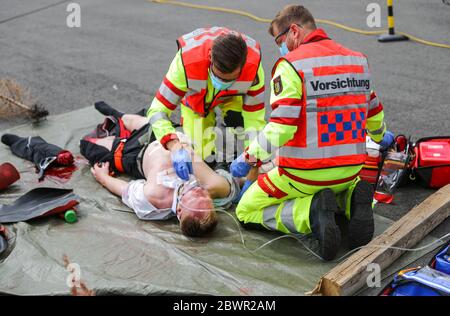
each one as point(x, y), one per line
point(100, 171)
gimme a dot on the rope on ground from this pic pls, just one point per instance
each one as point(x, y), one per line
point(264, 20)
point(300, 238)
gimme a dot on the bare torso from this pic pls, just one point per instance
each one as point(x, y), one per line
point(157, 159)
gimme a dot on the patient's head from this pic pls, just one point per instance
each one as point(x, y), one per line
point(196, 211)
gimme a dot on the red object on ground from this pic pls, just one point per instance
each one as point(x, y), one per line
point(61, 174)
point(65, 173)
point(8, 175)
point(432, 162)
point(383, 198)
point(65, 158)
point(434, 153)
point(61, 209)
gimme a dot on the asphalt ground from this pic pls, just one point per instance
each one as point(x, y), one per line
point(123, 49)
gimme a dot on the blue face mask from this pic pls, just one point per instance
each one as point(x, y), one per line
point(283, 49)
point(219, 84)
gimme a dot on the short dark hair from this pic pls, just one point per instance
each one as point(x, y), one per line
point(193, 226)
point(292, 14)
point(229, 52)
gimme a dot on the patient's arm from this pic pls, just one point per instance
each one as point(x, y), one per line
point(114, 185)
point(217, 186)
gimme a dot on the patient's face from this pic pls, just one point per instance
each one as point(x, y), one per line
point(195, 202)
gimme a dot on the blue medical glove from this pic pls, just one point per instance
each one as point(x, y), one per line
point(388, 139)
point(246, 185)
point(182, 163)
point(239, 167)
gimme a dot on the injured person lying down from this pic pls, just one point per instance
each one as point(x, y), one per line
point(124, 143)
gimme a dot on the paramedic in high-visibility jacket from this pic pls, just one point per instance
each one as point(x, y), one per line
point(214, 67)
point(322, 105)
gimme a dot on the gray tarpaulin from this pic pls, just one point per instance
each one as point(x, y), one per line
point(119, 254)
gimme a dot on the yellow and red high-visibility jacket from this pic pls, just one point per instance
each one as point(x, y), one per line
point(188, 82)
point(322, 105)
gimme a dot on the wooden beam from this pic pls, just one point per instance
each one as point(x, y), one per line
point(351, 275)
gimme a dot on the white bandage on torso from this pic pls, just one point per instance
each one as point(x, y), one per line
point(134, 197)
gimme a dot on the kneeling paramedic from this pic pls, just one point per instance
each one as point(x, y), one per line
point(124, 144)
point(322, 105)
point(214, 68)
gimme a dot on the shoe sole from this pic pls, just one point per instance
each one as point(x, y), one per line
point(330, 234)
point(361, 225)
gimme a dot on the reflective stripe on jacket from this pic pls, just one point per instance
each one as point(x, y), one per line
point(195, 49)
point(331, 116)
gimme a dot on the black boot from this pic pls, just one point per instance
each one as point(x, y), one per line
point(10, 139)
point(107, 110)
point(361, 225)
point(323, 223)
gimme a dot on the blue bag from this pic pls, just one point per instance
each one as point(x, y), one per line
point(420, 282)
point(432, 280)
point(442, 260)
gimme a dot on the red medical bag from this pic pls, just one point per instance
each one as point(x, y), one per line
point(432, 161)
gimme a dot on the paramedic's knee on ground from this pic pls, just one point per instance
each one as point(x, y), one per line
point(304, 209)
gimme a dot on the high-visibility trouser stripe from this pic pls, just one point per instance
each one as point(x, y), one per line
point(265, 144)
point(254, 100)
point(171, 96)
point(322, 152)
point(378, 131)
point(286, 216)
point(317, 86)
point(158, 116)
point(373, 103)
point(196, 85)
point(269, 219)
point(337, 60)
point(286, 111)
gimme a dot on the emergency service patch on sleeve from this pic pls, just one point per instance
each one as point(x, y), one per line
point(277, 85)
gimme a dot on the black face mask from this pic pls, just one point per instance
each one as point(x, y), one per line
point(94, 153)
